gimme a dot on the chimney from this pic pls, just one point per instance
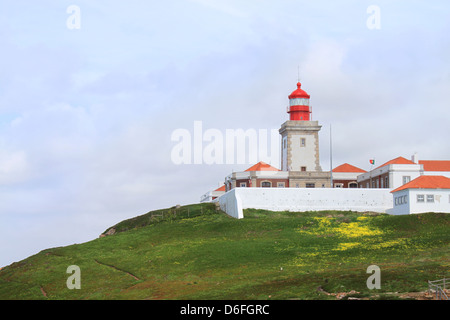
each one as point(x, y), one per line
point(415, 158)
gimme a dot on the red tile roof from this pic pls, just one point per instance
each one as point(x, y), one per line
point(426, 182)
point(222, 188)
point(435, 165)
point(347, 168)
point(399, 160)
point(262, 166)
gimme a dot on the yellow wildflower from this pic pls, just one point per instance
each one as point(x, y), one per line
point(347, 245)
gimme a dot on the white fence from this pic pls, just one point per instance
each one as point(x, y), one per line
point(304, 199)
point(439, 287)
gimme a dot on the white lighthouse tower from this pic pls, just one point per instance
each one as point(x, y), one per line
point(300, 144)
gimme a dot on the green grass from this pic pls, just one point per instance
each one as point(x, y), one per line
point(266, 255)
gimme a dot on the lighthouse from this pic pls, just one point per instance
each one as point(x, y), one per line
point(300, 165)
point(300, 143)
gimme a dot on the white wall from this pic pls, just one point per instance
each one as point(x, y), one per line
point(231, 203)
point(207, 197)
point(304, 199)
point(346, 175)
point(441, 199)
point(401, 170)
point(437, 173)
point(402, 204)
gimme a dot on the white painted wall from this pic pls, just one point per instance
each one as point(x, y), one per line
point(207, 197)
point(305, 199)
point(346, 176)
point(401, 202)
point(401, 170)
point(441, 199)
point(231, 203)
point(437, 173)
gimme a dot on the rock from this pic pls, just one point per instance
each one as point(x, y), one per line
point(108, 233)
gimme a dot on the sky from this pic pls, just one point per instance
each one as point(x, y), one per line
point(90, 98)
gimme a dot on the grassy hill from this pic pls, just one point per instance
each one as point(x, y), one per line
point(196, 252)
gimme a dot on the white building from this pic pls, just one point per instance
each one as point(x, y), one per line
point(391, 174)
point(212, 195)
point(426, 193)
point(400, 171)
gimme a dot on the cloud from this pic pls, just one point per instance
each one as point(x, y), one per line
point(224, 7)
point(14, 167)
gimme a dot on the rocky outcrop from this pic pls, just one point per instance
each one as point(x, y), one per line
point(110, 232)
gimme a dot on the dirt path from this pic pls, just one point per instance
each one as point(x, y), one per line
point(43, 291)
point(115, 268)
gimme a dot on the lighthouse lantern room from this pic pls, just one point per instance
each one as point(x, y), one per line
point(299, 108)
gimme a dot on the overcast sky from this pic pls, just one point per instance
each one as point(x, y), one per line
point(86, 115)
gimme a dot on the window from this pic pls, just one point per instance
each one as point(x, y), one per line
point(280, 184)
point(297, 185)
point(353, 185)
point(386, 182)
point(299, 102)
point(420, 198)
point(266, 184)
point(430, 198)
point(406, 179)
point(243, 184)
point(303, 142)
point(401, 200)
point(310, 185)
point(303, 169)
point(338, 185)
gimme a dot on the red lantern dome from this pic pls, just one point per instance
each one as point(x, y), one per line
point(299, 93)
